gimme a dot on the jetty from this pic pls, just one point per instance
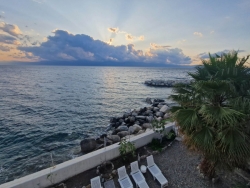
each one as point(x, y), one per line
point(166, 83)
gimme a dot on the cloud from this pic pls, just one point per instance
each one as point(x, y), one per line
point(155, 46)
point(205, 55)
point(129, 37)
point(4, 48)
point(141, 37)
point(110, 41)
point(64, 46)
point(211, 32)
point(10, 29)
point(2, 17)
point(169, 56)
point(181, 41)
point(113, 29)
point(8, 39)
point(198, 34)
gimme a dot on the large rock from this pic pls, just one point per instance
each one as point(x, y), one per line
point(159, 114)
point(131, 130)
point(164, 109)
point(132, 119)
point(150, 119)
point(88, 145)
point(159, 100)
point(137, 127)
point(122, 128)
point(140, 117)
point(147, 125)
point(114, 138)
point(140, 132)
point(156, 109)
point(123, 134)
point(166, 116)
point(134, 129)
point(158, 119)
point(134, 114)
point(148, 100)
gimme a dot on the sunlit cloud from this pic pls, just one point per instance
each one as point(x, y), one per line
point(141, 37)
point(113, 29)
point(129, 37)
point(10, 29)
point(110, 41)
point(4, 48)
point(155, 46)
point(198, 34)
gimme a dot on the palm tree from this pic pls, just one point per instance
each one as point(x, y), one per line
point(214, 112)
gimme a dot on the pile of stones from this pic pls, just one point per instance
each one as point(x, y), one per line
point(130, 123)
point(165, 83)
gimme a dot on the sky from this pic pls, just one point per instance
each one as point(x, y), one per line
point(119, 32)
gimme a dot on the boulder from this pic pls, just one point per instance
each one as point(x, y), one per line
point(121, 120)
point(166, 116)
point(140, 132)
point(113, 120)
point(125, 115)
point(164, 109)
point(159, 114)
point(99, 140)
point(122, 128)
point(150, 119)
point(132, 119)
point(88, 145)
point(147, 125)
point(114, 138)
point(159, 100)
point(148, 112)
point(155, 109)
point(148, 100)
point(158, 119)
point(131, 130)
point(123, 134)
point(134, 114)
point(155, 104)
point(140, 117)
point(160, 106)
point(137, 127)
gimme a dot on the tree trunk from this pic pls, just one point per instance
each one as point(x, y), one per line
point(207, 168)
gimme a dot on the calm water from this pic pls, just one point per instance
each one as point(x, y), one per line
point(48, 109)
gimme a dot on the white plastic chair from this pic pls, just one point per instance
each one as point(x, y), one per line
point(96, 182)
point(137, 176)
point(124, 180)
point(156, 172)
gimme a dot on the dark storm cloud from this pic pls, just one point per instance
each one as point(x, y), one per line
point(7, 39)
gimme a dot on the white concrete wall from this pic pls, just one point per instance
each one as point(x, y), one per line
point(63, 171)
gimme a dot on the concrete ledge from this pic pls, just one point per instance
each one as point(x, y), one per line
point(63, 171)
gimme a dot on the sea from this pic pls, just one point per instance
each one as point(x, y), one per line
point(45, 111)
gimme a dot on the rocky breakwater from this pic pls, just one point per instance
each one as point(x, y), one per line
point(134, 122)
point(165, 83)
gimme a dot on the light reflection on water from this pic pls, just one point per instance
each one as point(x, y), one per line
point(51, 109)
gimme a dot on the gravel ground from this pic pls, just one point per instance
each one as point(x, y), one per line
point(178, 165)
